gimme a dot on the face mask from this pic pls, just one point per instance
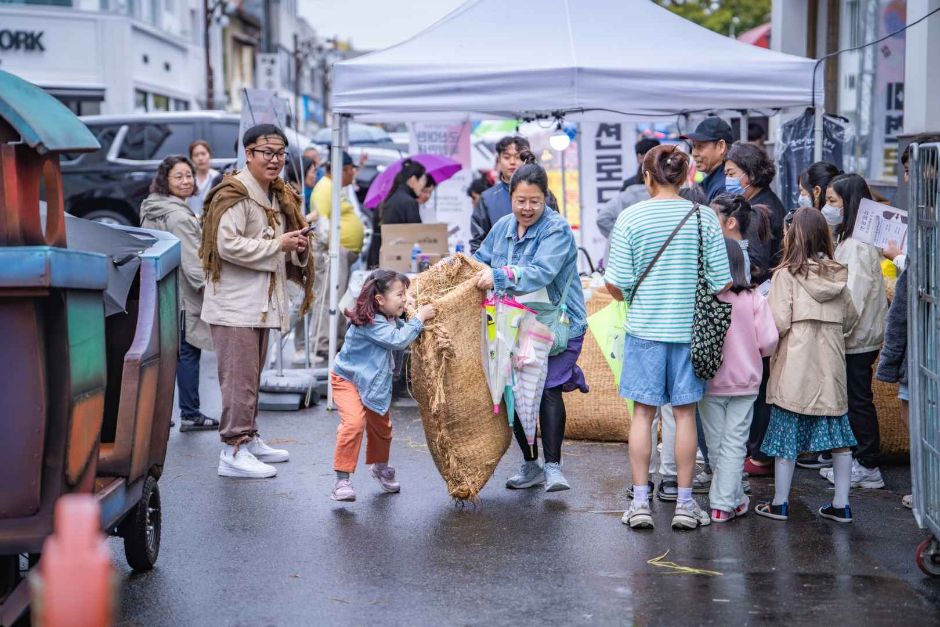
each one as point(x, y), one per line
point(733, 185)
point(833, 215)
point(805, 202)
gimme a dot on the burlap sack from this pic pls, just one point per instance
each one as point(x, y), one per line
point(600, 415)
point(465, 439)
point(895, 437)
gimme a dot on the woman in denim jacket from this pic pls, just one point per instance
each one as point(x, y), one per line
point(543, 256)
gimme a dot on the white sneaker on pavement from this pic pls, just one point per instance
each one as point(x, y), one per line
point(386, 478)
point(868, 478)
point(243, 465)
point(265, 453)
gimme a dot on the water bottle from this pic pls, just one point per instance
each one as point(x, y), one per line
point(415, 251)
point(460, 247)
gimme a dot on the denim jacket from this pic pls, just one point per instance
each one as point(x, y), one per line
point(366, 358)
point(546, 256)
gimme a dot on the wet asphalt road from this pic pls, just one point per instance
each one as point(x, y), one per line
point(280, 552)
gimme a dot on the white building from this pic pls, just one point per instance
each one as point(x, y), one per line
point(108, 56)
point(888, 91)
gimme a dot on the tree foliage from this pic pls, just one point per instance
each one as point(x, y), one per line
point(719, 15)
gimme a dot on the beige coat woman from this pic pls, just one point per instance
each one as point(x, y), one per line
point(173, 215)
point(813, 314)
point(867, 288)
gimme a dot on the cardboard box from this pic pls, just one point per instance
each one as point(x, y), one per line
point(399, 239)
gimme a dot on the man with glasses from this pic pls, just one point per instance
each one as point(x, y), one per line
point(253, 242)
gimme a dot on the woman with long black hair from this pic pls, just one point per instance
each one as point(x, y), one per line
point(400, 206)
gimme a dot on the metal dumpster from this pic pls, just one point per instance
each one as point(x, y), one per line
point(87, 397)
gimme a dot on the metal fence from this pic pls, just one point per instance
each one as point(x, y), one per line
point(924, 333)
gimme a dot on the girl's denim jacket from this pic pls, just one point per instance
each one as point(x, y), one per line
point(366, 358)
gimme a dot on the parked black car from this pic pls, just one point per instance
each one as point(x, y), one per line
point(109, 185)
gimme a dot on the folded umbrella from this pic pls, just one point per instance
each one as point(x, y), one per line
point(530, 368)
point(439, 167)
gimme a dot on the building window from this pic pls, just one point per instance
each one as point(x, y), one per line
point(160, 103)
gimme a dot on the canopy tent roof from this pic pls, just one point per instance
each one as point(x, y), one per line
point(589, 59)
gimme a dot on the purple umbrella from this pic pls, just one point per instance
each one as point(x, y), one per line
point(439, 167)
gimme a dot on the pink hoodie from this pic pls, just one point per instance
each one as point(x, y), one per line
point(752, 335)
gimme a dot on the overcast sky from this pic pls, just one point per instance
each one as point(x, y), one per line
point(374, 24)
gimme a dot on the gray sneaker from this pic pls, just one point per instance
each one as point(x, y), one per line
point(343, 491)
point(554, 480)
point(702, 482)
point(639, 516)
point(690, 516)
point(530, 474)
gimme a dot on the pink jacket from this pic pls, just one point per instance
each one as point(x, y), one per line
point(752, 335)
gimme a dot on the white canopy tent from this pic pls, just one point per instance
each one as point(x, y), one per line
point(592, 60)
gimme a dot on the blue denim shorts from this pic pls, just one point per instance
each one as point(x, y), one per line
point(659, 373)
point(904, 393)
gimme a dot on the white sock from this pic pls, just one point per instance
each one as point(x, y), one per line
point(783, 477)
point(641, 493)
point(685, 496)
point(842, 477)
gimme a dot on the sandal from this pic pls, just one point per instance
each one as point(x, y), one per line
point(776, 512)
point(198, 423)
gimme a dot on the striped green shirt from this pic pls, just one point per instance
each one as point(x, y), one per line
point(662, 307)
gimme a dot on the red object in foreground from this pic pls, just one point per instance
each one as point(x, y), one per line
point(76, 567)
point(759, 36)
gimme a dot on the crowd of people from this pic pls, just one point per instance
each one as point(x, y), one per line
point(809, 313)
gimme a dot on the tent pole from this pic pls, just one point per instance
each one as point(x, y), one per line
point(564, 187)
point(336, 169)
point(745, 120)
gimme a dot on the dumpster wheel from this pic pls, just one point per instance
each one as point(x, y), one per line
point(928, 557)
point(141, 529)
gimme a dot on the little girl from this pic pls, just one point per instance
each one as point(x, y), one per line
point(362, 378)
point(728, 406)
point(813, 310)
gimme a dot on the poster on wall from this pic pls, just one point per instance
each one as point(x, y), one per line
point(888, 98)
point(607, 159)
point(449, 203)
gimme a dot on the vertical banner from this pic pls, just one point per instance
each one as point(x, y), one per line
point(607, 159)
point(888, 98)
point(449, 204)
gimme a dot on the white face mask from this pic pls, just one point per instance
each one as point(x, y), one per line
point(832, 214)
point(805, 202)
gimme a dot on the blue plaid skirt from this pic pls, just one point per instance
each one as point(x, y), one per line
point(790, 433)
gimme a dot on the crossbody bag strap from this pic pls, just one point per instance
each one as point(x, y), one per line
point(636, 286)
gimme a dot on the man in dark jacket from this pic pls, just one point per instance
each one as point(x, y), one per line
point(710, 142)
point(494, 203)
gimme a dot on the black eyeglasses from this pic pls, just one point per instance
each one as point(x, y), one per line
point(269, 155)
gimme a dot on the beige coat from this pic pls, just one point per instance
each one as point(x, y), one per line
point(813, 315)
point(250, 251)
point(173, 215)
point(867, 288)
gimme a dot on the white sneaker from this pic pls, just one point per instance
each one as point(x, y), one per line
point(265, 453)
point(868, 478)
point(243, 465)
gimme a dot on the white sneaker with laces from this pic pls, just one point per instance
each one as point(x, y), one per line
point(868, 478)
point(639, 516)
point(243, 465)
point(265, 453)
point(689, 516)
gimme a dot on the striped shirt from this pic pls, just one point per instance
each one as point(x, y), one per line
point(662, 307)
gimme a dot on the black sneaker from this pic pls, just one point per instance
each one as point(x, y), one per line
point(668, 491)
point(652, 489)
point(776, 512)
point(814, 461)
point(838, 514)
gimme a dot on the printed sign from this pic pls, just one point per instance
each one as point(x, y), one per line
point(879, 224)
point(450, 203)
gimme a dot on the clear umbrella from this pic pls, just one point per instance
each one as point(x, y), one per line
point(501, 319)
point(530, 368)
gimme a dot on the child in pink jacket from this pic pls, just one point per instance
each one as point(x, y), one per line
point(728, 406)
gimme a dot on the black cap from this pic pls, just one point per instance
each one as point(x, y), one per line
point(347, 159)
point(711, 130)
